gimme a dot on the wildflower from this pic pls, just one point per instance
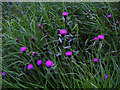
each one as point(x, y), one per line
point(109, 16)
point(105, 76)
point(68, 53)
point(6, 36)
point(117, 22)
point(30, 66)
point(39, 62)
point(100, 36)
point(16, 39)
point(40, 26)
point(74, 33)
point(23, 49)
point(63, 32)
point(65, 13)
point(3, 73)
point(34, 53)
point(49, 63)
point(89, 11)
point(95, 59)
point(95, 38)
point(32, 38)
point(65, 16)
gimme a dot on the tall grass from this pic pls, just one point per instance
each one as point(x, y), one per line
point(20, 20)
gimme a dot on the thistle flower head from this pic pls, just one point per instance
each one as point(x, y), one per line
point(23, 49)
point(40, 27)
point(39, 62)
point(100, 36)
point(117, 22)
point(65, 13)
point(30, 66)
point(109, 16)
point(105, 76)
point(39, 24)
point(32, 37)
point(63, 32)
point(95, 59)
point(68, 53)
point(95, 38)
point(34, 53)
point(16, 39)
point(74, 32)
point(3, 73)
point(89, 11)
point(49, 63)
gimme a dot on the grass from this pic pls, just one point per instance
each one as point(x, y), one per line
point(20, 20)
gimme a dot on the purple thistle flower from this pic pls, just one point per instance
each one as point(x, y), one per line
point(105, 76)
point(68, 53)
point(117, 22)
point(95, 59)
point(49, 63)
point(100, 36)
point(65, 13)
point(39, 62)
point(74, 32)
point(95, 38)
point(16, 39)
point(34, 53)
point(23, 49)
point(39, 25)
point(109, 16)
point(3, 73)
point(30, 66)
point(89, 11)
point(63, 32)
point(32, 38)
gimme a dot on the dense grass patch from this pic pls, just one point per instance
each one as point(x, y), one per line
point(79, 70)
